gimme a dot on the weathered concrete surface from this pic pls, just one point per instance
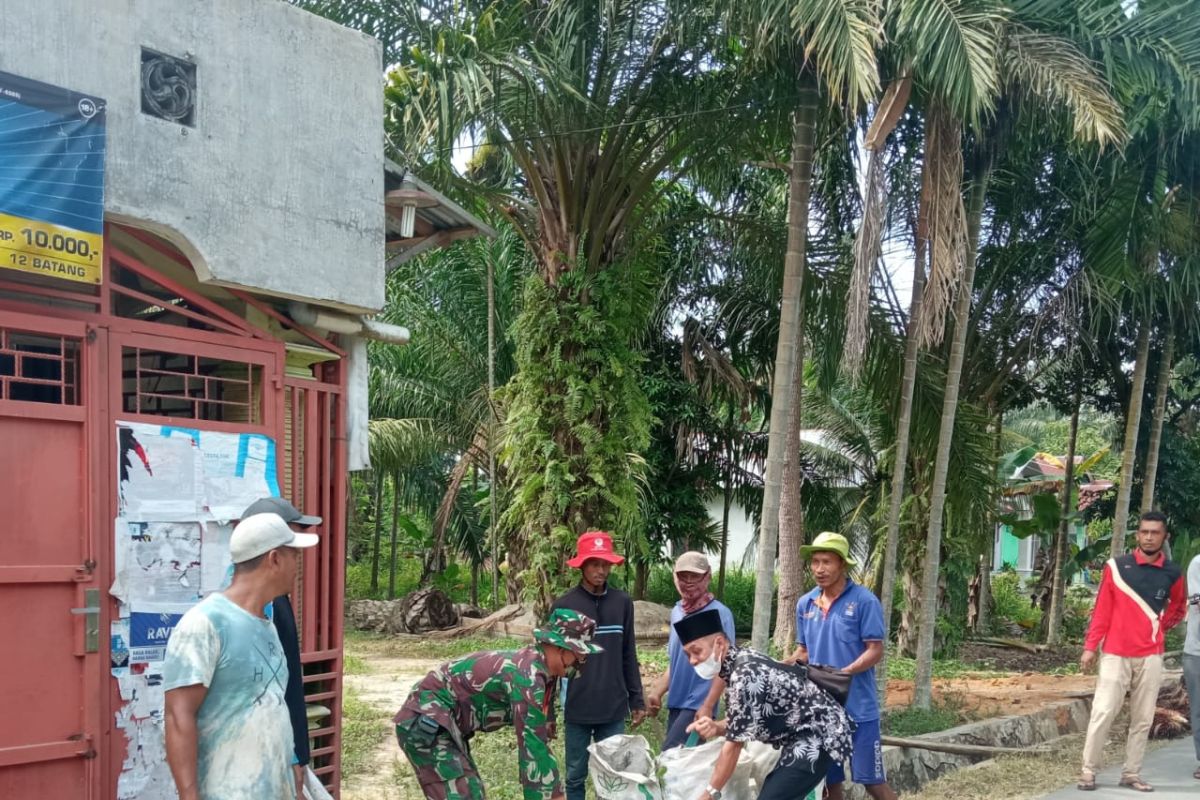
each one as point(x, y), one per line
point(279, 186)
point(909, 769)
point(1169, 769)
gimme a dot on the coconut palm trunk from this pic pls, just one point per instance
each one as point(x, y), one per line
point(923, 685)
point(912, 348)
point(1133, 418)
point(1161, 389)
point(1062, 540)
point(786, 351)
point(983, 620)
point(791, 511)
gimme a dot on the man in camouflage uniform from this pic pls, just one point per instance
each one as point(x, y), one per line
point(484, 692)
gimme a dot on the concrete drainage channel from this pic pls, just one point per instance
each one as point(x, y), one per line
point(909, 768)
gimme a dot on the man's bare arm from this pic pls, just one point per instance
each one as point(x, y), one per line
point(181, 707)
point(870, 657)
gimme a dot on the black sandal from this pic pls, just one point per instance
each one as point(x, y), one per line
point(1087, 784)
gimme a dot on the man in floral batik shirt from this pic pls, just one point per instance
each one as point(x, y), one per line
point(484, 692)
point(767, 702)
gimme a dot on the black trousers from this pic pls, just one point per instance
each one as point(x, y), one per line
point(794, 781)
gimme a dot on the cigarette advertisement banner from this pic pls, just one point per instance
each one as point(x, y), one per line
point(52, 144)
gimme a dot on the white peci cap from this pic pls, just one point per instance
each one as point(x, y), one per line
point(262, 533)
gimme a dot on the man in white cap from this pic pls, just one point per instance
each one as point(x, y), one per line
point(227, 727)
point(688, 695)
point(281, 614)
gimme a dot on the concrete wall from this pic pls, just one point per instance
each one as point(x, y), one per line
point(279, 186)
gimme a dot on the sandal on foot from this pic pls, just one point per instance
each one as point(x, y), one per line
point(1137, 784)
point(1196, 774)
point(1087, 783)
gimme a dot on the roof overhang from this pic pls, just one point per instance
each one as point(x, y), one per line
point(439, 220)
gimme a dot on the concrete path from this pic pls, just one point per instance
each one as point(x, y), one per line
point(1169, 769)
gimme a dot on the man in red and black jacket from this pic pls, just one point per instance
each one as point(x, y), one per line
point(609, 688)
point(1142, 596)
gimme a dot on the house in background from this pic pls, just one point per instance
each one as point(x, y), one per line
point(211, 274)
point(1042, 474)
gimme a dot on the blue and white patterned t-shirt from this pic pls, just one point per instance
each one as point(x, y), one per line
point(245, 733)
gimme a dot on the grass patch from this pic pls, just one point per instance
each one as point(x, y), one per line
point(363, 728)
point(905, 669)
point(355, 665)
point(948, 712)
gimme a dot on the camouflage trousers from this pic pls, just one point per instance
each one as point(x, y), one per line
point(444, 770)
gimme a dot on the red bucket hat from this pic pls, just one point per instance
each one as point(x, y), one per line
point(594, 544)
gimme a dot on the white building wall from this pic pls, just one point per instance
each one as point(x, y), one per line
point(279, 186)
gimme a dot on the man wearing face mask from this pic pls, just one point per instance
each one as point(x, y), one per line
point(768, 702)
point(596, 702)
point(484, 692)
point(689, 693)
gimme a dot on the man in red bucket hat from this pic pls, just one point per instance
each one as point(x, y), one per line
point(597, 700)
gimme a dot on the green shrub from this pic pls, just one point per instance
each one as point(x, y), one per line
point(1010, 604)
point(1077, 613)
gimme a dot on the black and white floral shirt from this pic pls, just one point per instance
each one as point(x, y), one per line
point(774, 703)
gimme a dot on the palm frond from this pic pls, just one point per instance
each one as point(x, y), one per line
point(1054, 69)
point(953, 47)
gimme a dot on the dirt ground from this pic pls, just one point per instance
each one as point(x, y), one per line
point(998, 697)
point(383, 679)
point(383, 686)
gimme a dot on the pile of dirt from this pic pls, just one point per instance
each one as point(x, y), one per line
point(998, 696)
point(992, 658)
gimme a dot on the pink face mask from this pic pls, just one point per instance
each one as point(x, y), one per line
point(694, 594)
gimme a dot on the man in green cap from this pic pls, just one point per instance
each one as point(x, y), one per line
point(840, 624)
point(484, 692)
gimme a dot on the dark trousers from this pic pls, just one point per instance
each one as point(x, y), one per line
point(677, 721)
point(578, 739)
point(794, 781)
point(1191, 676)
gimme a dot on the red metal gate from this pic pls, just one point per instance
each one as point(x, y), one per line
point(53, 569)
point(142, 346)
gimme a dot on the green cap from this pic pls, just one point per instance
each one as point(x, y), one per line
point(569, 630)
point(828, 542)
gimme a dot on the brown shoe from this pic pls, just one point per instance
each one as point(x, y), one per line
point(1137, 784)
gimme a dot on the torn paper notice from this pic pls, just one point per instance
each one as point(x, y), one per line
point(161, 476)
point(238, 470)
point(144, 774)
point(163, 562)
point(150, 626)
point(215, 560)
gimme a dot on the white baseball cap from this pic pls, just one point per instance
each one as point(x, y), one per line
point(262, 533)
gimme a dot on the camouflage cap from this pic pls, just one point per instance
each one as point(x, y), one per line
point(569, 630)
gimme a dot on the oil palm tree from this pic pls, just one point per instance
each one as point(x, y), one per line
point(431, 412)
point(596, 109)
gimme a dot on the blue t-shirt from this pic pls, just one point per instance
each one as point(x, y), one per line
point(838, 638)
point(687, 689)
point(245, 732)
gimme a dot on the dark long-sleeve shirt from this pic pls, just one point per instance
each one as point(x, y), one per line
point(1140, 599)
point(285, 625)
point(610, 685)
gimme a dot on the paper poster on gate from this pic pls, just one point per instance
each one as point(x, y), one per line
point(161, 478)
point(150, 626)
point(171, 473)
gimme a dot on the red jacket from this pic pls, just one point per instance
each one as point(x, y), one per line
point(1140, 599)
